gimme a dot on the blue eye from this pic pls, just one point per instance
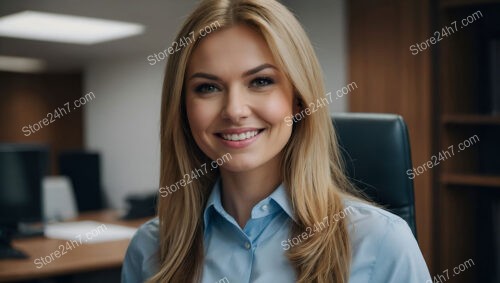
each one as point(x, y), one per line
point(206, 88)
point(261, 82)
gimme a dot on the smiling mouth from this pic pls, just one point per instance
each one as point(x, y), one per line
point(239, 136)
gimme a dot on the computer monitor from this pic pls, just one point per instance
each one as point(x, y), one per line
point(22, 168)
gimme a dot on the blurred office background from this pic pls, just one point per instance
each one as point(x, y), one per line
point(447, 92)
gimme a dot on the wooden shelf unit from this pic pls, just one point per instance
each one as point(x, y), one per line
point(462, 3)
point(470, 119)
point(440, 94)
point(465, 224)
point(474, 180)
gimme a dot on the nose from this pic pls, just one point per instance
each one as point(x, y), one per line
point(236, 105)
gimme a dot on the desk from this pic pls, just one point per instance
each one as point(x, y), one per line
point(84, 258)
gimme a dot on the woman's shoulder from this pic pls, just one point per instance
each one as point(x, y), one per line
point(141, 259)
point(148, 230)
point(365, 213)
point(367, 222)
point(381, 241)
point(145, 241)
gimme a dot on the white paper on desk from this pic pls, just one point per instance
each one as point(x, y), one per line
point(88, 231)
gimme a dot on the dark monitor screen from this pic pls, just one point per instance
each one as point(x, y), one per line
point(22, 168)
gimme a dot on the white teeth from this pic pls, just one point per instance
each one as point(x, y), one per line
point(240, 137)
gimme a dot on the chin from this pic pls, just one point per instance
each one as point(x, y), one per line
point(239, 166)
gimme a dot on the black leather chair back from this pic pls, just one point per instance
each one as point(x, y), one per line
point(376, 152)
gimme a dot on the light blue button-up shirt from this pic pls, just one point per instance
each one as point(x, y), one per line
point(383, 247)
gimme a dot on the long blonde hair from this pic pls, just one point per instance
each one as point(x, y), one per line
point(311, 167)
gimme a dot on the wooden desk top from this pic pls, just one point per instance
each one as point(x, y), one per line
point(82, 258)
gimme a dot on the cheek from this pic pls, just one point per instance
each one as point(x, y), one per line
point(200, 115)
point(276, 108)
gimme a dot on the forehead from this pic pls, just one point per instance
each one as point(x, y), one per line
point(231, 50)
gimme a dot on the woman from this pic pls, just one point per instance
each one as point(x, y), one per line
point(278, 207)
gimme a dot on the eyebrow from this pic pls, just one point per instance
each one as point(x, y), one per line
point(245, 74)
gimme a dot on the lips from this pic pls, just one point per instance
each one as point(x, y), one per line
point(238, 135)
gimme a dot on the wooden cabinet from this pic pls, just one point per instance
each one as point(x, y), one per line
point(469, 181)
point(392, 80)
point(418, 59)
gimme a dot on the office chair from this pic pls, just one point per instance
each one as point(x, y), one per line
point(376, 152)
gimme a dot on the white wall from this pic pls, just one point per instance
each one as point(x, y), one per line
point(122, 122)
point(324, 22)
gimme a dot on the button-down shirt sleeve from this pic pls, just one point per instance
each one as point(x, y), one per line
point(399, 258)
point(141, 259)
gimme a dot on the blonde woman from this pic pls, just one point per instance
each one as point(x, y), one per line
point(246, 197)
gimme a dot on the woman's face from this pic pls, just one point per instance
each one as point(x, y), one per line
point(237, 99)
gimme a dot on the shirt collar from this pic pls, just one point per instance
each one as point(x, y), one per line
point(277, 200)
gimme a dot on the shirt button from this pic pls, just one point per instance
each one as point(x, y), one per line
point(247, 245)
point(265, 207)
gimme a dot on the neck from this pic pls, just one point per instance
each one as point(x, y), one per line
point(241, 191)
